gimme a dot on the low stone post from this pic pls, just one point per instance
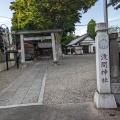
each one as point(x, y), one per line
point(103, 97)
point(114, 58)
point(22, 48)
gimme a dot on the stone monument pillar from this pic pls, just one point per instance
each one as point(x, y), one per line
point(114, 66)
point(103, 97)
point(114, 58)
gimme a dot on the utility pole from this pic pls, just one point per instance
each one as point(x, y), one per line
point(105, 12)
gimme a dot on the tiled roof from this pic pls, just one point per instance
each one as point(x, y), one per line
point(77, 40)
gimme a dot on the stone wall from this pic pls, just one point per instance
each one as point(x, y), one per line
point(2, 57)
point(4, 67)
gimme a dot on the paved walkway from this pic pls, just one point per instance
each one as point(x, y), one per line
point(25, 89)
point(84, 111)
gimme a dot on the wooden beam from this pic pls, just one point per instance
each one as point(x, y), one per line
point(31, 42)
point(37, 31)
point(37, 38)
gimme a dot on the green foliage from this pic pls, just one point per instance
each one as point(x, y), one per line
point(67, 39)
point(48, 14)
point(91, 28)
point(23, 14)
point(114, 3)
point(114, 29)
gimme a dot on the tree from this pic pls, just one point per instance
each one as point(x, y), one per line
point(67, 39)
point(114, 29)
point(49, 14)
point(46, 14)
point(91, 28)
point(114, 3)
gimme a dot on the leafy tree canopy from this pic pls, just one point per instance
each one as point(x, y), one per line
point(114, 3)
point(91, 28)
point(114, 29)
point(48, 14)
point(68, 38)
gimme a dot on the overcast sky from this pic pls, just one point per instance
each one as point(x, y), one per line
point(96, 13)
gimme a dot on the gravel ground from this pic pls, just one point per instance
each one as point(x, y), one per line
point(72, 81)
point(6, 77)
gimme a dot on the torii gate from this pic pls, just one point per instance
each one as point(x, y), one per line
point(55, 35)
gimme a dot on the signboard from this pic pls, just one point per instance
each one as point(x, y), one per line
point(12, 55)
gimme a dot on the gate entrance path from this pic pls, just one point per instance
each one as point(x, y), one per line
point(26, 88)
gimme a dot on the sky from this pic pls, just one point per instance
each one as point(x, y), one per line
point(95, 12)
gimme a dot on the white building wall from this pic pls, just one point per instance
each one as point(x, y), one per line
point(90, 42)
point(93, 45)
point(89, 48)
point(78, 50)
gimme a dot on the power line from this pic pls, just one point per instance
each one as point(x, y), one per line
point(81, 25)
point(108, 21)
point(5, 17)
point(114, 20)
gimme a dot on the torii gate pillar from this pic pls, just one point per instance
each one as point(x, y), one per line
point(22, 48)
point(54, 47)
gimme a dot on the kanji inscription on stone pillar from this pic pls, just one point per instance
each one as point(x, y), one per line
point(102, 62)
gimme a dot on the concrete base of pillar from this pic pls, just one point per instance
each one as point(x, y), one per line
point(115, 88)
point(22, 61)
point(104, 100)
point(23, 65)
point(55, 63)
point(117, 98)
